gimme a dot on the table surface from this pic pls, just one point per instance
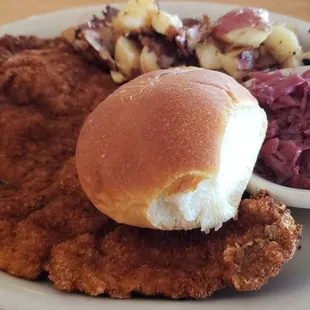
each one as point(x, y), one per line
point(11, 10)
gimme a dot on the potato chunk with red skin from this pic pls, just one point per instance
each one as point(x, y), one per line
point(243, 27)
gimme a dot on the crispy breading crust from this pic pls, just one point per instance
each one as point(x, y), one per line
point(46, 91)
point(243, 254)
point(47, 224)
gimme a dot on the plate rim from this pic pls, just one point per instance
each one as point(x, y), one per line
point(26, 287)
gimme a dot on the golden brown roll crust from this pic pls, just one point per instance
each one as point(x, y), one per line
point(159, 134)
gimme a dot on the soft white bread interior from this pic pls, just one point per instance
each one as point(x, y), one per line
point(173, 149)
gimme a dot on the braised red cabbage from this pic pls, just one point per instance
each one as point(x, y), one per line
point(285, 155)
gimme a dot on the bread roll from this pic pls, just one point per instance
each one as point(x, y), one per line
point(172, 149)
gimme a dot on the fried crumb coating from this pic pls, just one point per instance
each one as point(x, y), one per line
point(48, 225)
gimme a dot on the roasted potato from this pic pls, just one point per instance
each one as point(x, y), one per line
point(166, 24)
point(135, 16)
point(118, 77)
point(127, 56)
point(208, 56)
point(282, 44)
point(292, 62)
point(149, 61)
point(243, 27)
point(230, 63)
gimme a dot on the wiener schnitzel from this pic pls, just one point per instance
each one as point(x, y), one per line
point(243, 254)
point(46, 91)
point(47, 223)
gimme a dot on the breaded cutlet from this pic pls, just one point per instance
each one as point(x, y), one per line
point(48, 225)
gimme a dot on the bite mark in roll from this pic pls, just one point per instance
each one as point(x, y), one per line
point(172, 149)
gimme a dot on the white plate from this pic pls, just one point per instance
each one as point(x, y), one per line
point(290, 290)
